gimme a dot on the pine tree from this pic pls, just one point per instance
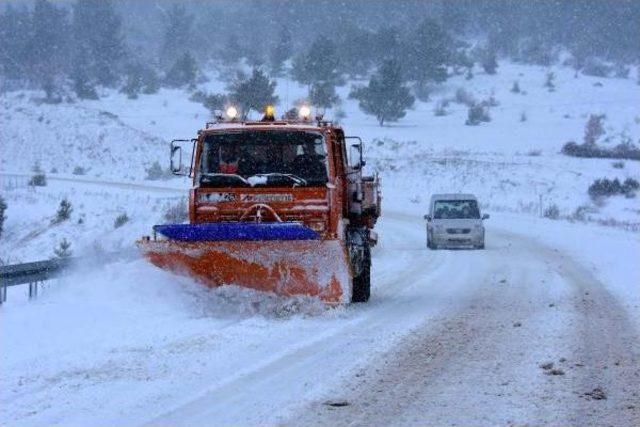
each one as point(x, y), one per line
point(183, 72)
point(429, 52)
point(3, 208)
point(38, 179)
point(98, 39)
point(48, 38)
point(63, 213)
point(320, 64)
point(232, 51)
point(386, 96)
point(281, 51)
point(177, 34)
point(323, 95)
point(253, 93)
point(63, 250)
point(14, 41)
point(489, 62)
point(83, 86)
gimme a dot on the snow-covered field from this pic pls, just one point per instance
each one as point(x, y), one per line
point(121, 342)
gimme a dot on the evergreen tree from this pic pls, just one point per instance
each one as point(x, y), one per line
point(38, 179)
point(14, 41)
point(98, 40)
point(281, 51)
point(386, 95)
point(82, 85)
point(232, 51)
point(48, 38)
point(63, 213)
point(323, 95)
point(320, 64)
point(386, 44)
point(253, 93)
point(355, 48)
point(489, 61)
point(63, 250)
point(177, 34)
point(139, 78)
point(429, 52)
point(3, 208)
point(183, 72)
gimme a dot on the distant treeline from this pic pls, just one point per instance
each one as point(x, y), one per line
point(140, 46)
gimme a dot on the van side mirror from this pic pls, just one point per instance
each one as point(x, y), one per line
point(485, 216)
point(427, 217)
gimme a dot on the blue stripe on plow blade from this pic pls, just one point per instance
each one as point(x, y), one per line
point(221, 231)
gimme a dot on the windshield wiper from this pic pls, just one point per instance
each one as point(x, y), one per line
point(295, 178)
point(213, 176)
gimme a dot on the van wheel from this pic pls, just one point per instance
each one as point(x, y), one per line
point(362, 282)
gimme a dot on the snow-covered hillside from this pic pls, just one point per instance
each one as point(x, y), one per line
point(512, 165)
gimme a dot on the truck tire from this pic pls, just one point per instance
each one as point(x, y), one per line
point(362, 282)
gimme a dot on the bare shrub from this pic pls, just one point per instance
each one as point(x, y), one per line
point(516, 87)
point(441, 108)
point(121, 220)
point(38, 179)
point(155, 172)
point(605, 187)
point(477, 114)
point(464, 97)
point(549, 82)
point(618, 165)
point(79, 170)
point(597, 68)
point(552, 212)
point(594, 128)
point(176, 213)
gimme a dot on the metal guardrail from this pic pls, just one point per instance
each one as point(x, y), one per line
point(33, 273)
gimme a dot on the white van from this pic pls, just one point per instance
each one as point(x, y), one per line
point(454, 220)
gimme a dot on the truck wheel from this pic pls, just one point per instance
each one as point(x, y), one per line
point(362, 282)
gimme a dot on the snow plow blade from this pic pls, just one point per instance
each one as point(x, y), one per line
point(284, 258)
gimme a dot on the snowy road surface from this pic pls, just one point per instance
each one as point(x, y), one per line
point(448, 337)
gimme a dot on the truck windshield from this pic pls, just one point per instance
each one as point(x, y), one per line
point(456, 209)
point(263, 158)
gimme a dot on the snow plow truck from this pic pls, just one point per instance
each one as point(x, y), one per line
point(279, 206)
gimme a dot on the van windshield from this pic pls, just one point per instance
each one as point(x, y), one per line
point(456, 209)
point(263, 158)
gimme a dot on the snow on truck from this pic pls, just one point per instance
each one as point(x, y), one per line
point(276, 205)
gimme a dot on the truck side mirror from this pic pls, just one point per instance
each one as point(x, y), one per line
point(355, 153)
point(177, 167)
point(176, 159)
point(485, 216)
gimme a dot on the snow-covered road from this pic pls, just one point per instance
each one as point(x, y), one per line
point(448, 336)
point(536, 335)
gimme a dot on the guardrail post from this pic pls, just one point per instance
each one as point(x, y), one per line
point(3, 292)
